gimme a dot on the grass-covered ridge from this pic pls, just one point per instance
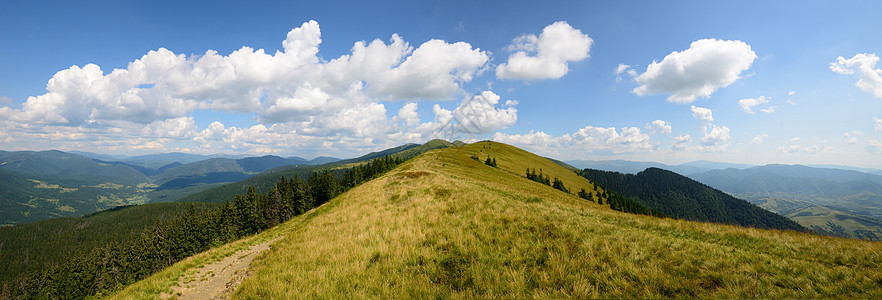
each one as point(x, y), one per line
point(446, 225)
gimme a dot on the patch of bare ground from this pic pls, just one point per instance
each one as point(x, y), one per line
point(220, 279)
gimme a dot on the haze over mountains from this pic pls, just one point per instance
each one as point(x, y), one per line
point(838, 200)
point(45, 184)
point(445, 184)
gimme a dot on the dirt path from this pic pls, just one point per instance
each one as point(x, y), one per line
point(220, 279)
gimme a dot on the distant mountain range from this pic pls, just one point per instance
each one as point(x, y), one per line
point(633, 167)
point(46, 184)
point(832, 199)
point(37, 185)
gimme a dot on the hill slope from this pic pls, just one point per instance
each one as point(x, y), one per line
point(678, 196)
point(263, 182)
point(814, 197)
point(29, 247)
point(446, 225)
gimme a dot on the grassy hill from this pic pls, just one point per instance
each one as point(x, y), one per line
point(826, 220)
point(678, 196)
point(264, 182)
point(445, 225)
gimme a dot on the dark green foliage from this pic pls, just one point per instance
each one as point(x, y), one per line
point(679, 197)
point(558, 184)
point(540, 178)
point(491, 162)
point(114, 264)
point(265, 181)
point(584, 195)
point(28, 247)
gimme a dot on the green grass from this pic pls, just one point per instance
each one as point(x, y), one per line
point(446, 226)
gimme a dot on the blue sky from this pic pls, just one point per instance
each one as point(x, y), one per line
point(537, 75)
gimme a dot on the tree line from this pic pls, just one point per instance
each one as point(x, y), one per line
point(615, 201)
point(680, 197)
point(114, 265)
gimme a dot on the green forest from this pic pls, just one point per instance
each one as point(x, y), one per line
point(115, 264)
point(677, 196)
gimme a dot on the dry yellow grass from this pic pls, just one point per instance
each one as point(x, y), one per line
point(444, 225)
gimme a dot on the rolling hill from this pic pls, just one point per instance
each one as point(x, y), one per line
point(848, 199)
point(41, 185)
point(264, 182)
point(678, 196)
point(444, 225)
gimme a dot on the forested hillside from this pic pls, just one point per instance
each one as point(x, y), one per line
point(445, 225)
point(30, 247)
point(679, 197)
point(112, 265)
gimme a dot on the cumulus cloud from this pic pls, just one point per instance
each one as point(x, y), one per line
point(408, 114)
point(748, 104)
point(589, 139)
point(183, 127)
point(717, 136)
point(878, 125)
point(707, 65)
point(704, 115)
point(298, 97)
point(758, 140)
point(657, 126)
point(478, 114)
point(623, 68)
point(682, 142)
point(6, 101)
point(865, 64)
point(291, 85)
point(546, 56)
point(769, 109)
point(851, 137)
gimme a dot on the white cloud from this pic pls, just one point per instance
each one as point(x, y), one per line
point(758, 140)
point(290, 85)
point(299, 98)
point(769, 110)
point(707, 65)
point(659, 126)
point(183, 127)
point(511, 102)
point(874, 146)
point(796, 139)
point(6, 101)
point(851, 137)
point(558, 45)
point(589, 139)
point(791, 93)
point(813, 149)
point(682, 142)
point(717, 136)
point(748, 104)
point(623, 68)
point(870, 78)
point(478, 114)
point(704, 115)
point(408, 114)
point(878, 125)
